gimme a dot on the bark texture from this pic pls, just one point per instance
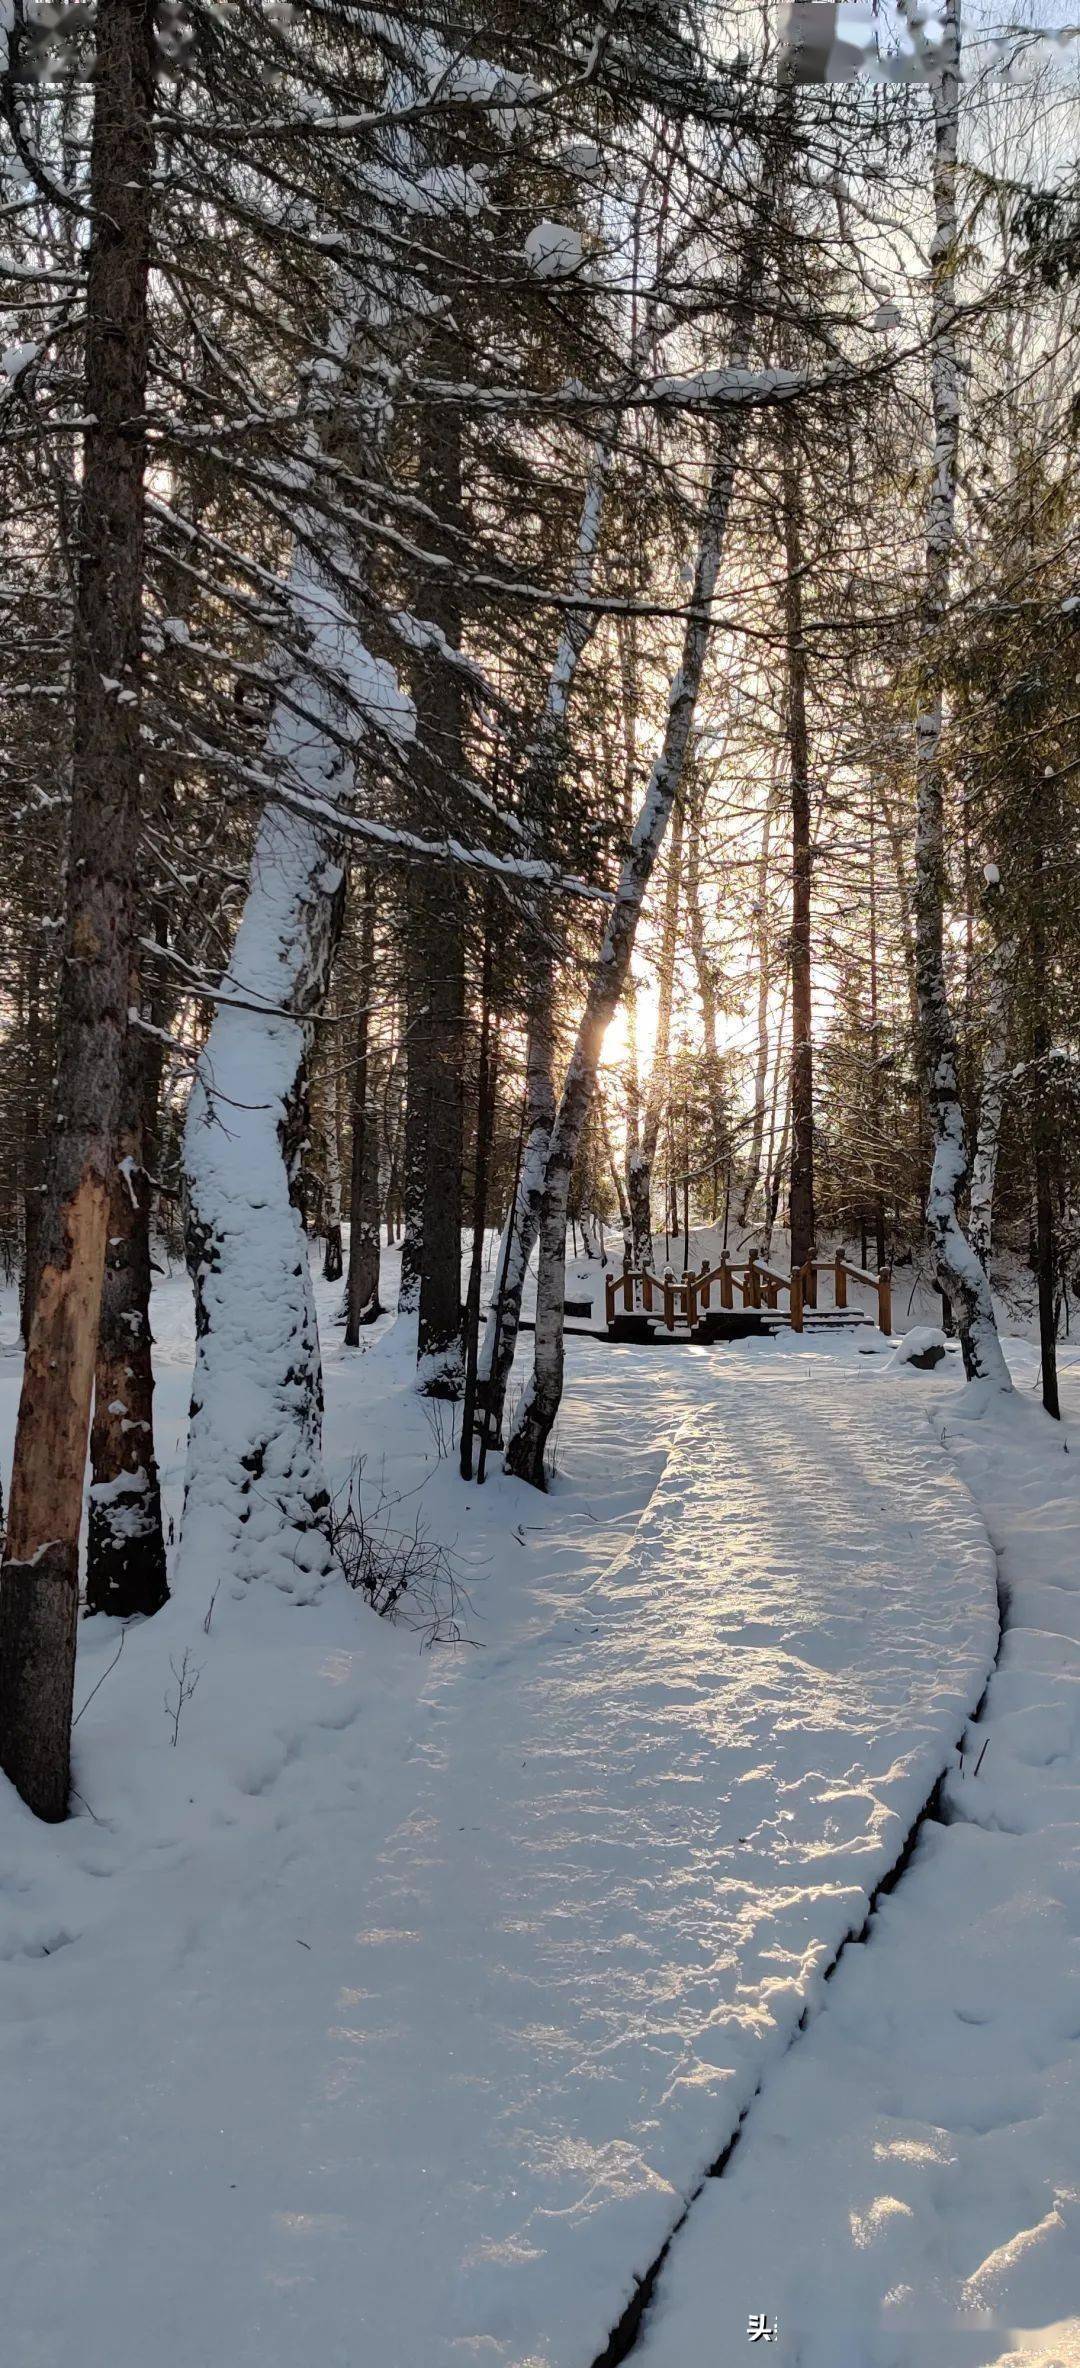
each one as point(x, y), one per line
point(543, 772)
point(991, 1101)
point(39, 1586)
point(125, 1562)
point(801, 1205)
point(362, 1303)
point(761, 1057)
point(641, 1158)
point(441, 1042)
point(958, 1270)
point(332, 1250)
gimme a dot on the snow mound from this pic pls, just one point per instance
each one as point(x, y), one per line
point(920, 1350)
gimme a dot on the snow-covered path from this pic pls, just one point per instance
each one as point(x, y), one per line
point(641, 1834)
point(907, 2188)
point(403, 2030)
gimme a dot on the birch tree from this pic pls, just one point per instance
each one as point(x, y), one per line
point(958, 1269)
point(543, 1393)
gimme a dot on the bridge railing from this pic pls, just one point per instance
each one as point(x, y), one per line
point(687, 1297)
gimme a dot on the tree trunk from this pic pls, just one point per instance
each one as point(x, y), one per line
point(776, 1169)
point(991, 1102)
point(801, 1218)
point(642, 1157)
point(540, 784)
point(414, 1160)
point(541, 1400)
point(875, 1056)
point(440, 1343)
point(614, 1170)
point(440, 710)
point(37, 1065)
point(761, 1061)
point(39, 1587)
point(1042, 1129)
point(362, 1291)
point(485, 1123)
point(958, 1270)
point(125, 1563)
point(1046, 1259)
point(774, 1161)
point(519, 1235)
point(256, 1502)
point(332, 1255)
point(706, 985)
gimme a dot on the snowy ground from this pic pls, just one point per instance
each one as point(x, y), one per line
point(394, 2013)
point(908, 2185)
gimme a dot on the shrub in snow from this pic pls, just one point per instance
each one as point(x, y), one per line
point(552, 251)
point(922, 1348)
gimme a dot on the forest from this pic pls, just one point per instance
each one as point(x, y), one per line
point(539, 830)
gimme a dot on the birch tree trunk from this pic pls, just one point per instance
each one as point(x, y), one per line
point(641, 1158)
point(958, 1270)
point(542, 774)
point(39, 1582)
point(542, 1397)
point(256, 1498)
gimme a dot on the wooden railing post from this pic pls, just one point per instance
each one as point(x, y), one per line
point(884, 1300)
point(809, 1284)
point(841, 1280)
point(646, 1290)
point(628, 1288)
point(610, 1287)
point(669, 1301)
point(752, 1285)
point(727, 1297)
point(704, 1288)
point(795, 1300)
point(690, 1298)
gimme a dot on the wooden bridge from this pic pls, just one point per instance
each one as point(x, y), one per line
point(699, 1302)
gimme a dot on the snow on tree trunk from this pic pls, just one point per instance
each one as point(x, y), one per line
point(991, 1102)
point(542, 771)
point(39, 1589)
point(541, 1400)
point(958, 1269)
point(256, 1498)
